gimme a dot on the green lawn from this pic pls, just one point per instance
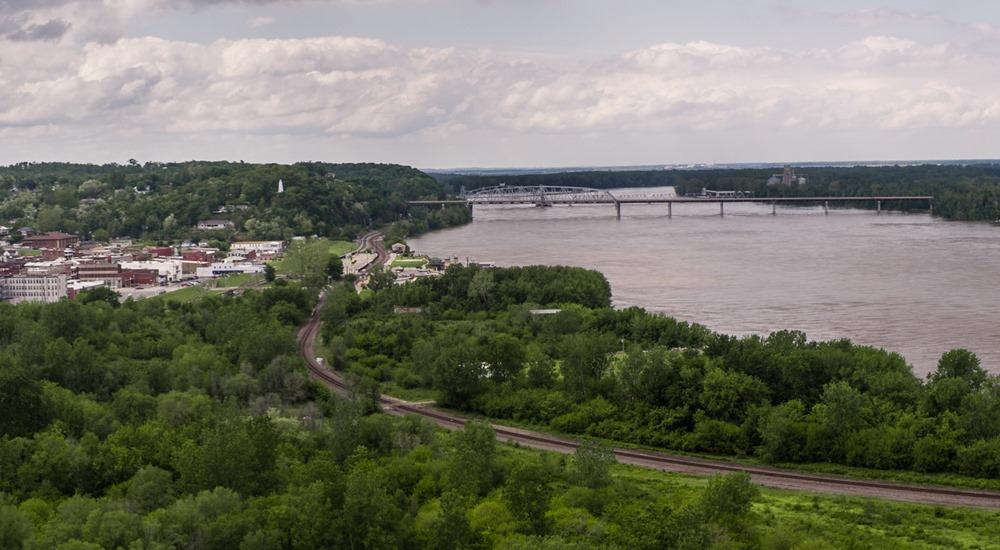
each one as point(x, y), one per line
point(408, 262)
point(191, 293)
point(184, 295)
point(337, 248)
point(29, 252)
point(236, 280)
point(790, 518)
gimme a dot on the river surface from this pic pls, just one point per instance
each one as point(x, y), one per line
point(908, 283)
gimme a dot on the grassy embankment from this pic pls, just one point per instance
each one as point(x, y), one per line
point(228, 282)
point(795, 519)
point(408, 262)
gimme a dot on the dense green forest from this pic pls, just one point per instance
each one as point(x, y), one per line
point(157, 425)
point(163, 425)
point(632, 376)
point(960, 192)
point(164, 202)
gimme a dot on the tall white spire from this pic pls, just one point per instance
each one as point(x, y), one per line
point(281, 186)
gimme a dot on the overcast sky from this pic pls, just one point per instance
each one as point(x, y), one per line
point(499, 83)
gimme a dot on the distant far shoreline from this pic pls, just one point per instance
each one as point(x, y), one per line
point(513, 171)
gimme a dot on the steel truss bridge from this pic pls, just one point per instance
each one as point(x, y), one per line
point(544, 196)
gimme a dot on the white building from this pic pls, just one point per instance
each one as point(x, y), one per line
point(169, 271)
point(225, 268)
point(216, 225)
point(32, 288)
point(258, 246)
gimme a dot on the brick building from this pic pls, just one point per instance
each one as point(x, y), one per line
point(13, 267)
point(139, 277)
point(203, 256)
point(53, 240)
point(108, 273)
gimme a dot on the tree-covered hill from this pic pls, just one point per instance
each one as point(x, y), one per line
point(960, 192)
point(160, 201)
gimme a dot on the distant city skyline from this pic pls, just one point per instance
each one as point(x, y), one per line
point(491, 83)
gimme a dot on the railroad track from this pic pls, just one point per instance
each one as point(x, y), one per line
point(769, 477)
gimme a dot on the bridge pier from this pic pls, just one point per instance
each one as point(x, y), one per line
point(774, 208)
point(618, 210)
point(878, 207)
point(670, 210)
point(826, 207)
point(722, 208)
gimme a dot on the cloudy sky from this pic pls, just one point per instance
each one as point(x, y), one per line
point(499, 83)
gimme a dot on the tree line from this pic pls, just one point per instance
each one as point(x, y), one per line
point(165, 201)
point(160, 425)
point(629, 375)
point(961, 192)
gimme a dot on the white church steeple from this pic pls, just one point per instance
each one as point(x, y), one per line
point(281, 186)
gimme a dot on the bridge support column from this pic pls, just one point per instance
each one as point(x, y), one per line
point(722, 208)
point(618, 210)
point(878, 207)
point(826, 207)
point(774, 209)
point(931, 205)
point(670, 210)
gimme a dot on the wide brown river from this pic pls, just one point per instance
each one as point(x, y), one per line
point(905, 282)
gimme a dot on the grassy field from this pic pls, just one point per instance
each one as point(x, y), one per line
point(191, 293)
point(184, 295)
point(236, 280)
point(408, 262)
point(797, 520)
point(794, 519)
point(337, 248)
point(29, 252)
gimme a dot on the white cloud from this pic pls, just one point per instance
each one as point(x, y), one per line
point(260, 21)
point(86, 79)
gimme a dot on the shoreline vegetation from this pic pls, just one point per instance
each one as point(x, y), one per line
point(638, 378)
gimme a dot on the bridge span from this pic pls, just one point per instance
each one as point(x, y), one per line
point(544, 196)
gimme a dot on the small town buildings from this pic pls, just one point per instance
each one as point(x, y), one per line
point(48, 267)
point(398, 248)
point(33, 288)
point(168, 271)
point(4, 230)
point(225, 268)
point(275, 247)
point(160, 251)
point(200, 255)
point(139, 277)
point(12, 267)
point(53, 241)
point(107, 273)
point(216, 225)
point(436, 264)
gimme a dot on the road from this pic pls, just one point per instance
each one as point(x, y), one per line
point(765, 476)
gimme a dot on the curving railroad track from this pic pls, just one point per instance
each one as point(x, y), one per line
point(769, 477)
